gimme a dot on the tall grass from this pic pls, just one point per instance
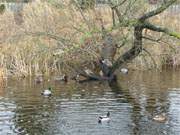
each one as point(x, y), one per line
point(52, 39)
point(46, 41)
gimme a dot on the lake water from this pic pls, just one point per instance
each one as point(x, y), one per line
point(73, 109)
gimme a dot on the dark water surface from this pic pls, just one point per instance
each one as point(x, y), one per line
point(74, 108)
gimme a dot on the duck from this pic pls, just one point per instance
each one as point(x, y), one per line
point(47, 92)
point(62, 78)
point(107, 62)
point(160, 118)
point(39, 79)
point(124, 70)
point(88, 71)
point(105, 118)
point(75, 77)
point(101, 73)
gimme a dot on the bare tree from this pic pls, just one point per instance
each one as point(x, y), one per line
point(108, 64)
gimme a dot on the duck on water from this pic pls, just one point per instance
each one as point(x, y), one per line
point(105, 118)
point(124, 70)
point(47, 92)
point(160, 118)
point(63, 78)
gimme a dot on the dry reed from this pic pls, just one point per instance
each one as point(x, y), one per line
point(50, 40)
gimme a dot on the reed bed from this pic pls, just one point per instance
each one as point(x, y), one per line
point(55, 40)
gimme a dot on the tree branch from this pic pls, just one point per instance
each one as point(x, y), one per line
point(157, 11)
point(150, 26)
point(132, 53)
point(159, 40)
point(52, 36)
point(153, 60)
point(151, 39)
point(115, 8)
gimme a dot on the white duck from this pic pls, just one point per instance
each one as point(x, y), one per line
point(124, 70)
point(107, 62)
point(47, 92)
point(104, 118)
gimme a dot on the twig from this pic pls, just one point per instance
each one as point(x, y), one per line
point(153, 60)
point(157, 11)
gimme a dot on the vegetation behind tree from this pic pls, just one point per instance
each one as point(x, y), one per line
point(57, 36)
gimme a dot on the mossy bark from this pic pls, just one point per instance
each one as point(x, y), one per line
point(2, 8)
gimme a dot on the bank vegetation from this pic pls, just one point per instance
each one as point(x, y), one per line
point(49, 37)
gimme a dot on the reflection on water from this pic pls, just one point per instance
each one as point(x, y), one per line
point(74, 108)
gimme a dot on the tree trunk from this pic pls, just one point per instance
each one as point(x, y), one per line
point(132, 53)
point(109, 46)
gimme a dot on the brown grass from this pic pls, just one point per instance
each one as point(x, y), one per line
point(50, 40)
point(2, 78)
